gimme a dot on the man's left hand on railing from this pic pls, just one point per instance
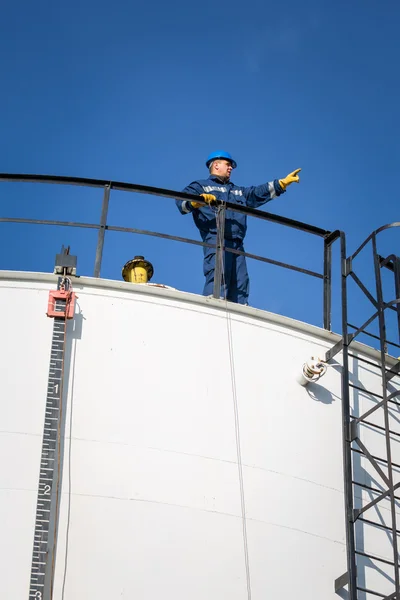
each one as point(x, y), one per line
point(291, 178)
point(208, 199)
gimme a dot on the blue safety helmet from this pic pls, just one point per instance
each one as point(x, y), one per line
point(220, 154)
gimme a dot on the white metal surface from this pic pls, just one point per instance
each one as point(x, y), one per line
point(180, 417)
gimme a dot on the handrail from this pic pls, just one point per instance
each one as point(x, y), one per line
point(163, 192)
point(107, 185)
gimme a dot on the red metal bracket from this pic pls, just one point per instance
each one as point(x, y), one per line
point(69, 297)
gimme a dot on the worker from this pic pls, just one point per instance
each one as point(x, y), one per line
point(235, 279)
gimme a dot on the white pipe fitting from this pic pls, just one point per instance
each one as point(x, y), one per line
point(312, 370)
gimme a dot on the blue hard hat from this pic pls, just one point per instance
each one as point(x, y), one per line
point(220, 154)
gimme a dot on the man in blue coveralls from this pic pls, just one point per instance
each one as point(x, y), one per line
point(235, 279)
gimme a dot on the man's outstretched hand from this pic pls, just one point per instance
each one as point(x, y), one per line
point(291, 178)
point(208, 199)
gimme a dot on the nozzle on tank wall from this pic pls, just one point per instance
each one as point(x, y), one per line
point(311, 371)
point(137, 270)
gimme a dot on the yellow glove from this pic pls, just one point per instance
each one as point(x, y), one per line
point(291, 178)
point(208, 198)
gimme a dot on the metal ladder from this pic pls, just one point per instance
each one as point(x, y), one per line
point(370, 486)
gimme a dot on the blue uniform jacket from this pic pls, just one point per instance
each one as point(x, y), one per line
point(235, 223)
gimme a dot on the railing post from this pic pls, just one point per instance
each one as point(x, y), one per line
point(396, 268)
point(387, 414)
point(329, 239)
point(346, 439)
point(102, 231)
point(327, 284)
point(219, 251)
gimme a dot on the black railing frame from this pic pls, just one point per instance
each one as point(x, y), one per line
point(328, 237)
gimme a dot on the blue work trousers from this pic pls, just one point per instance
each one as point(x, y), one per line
point(235, 279)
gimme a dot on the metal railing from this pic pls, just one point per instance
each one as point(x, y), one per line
point(103, 226)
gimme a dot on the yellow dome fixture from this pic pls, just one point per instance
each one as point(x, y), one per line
point(137, 270)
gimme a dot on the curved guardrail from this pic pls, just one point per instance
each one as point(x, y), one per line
point(102, 226)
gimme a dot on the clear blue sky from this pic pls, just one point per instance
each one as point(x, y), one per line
point(142, 92)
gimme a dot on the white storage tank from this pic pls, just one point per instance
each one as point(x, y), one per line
point(194, 465)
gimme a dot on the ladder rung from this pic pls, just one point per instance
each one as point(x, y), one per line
point(379, 427)
point(361, 589)
point(378, 366)
point(375, 490)
point(376, 458)
point(376, 337)
point(372, 557)
point(357, 387)
point(364, 360)
point(378, 525)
